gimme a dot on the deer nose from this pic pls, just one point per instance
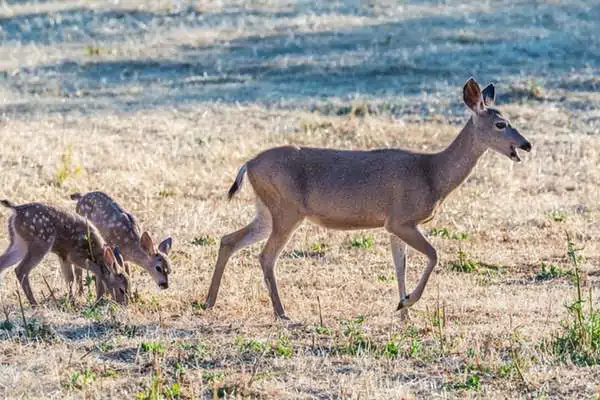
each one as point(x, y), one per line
point(525, 146)
point(164, 285)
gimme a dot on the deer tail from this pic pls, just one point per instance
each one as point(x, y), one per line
point(8, 204)
point(237, 184)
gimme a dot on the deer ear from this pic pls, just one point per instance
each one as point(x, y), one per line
point(119, 257)
point(148, 243)
point(472, 95)
point(109, 259)
point(165, 245)
point(489, 95)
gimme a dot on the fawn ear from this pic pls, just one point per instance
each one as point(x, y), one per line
point(109, 259)
point(472, 96)
point(165, 245)
point(119, 257)
point(489, 95)
point(148, 243)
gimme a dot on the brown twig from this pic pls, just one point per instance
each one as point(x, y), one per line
point(25, 324)
point(51, 291)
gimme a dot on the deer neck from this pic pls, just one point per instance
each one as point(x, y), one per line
point(453, 165)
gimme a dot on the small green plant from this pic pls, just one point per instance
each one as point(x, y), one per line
point(579, 340)
point(172, 392)
point(362, 242)
point(80, 379)
point(283, 346)
point(203, 240)
point(464, 263)
point(166, 192)
point(66, 168)
point(250, 345)
point(472, 382)
point(391, 349)
point(550, 271)
point(152, 347)
point(557, 215)
point(446, 234)
point(92, 51)
point(212, 376)
point(357, 342)
point(386, 278)
point(322, 330)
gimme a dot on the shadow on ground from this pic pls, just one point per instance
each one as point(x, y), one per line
point(411, 64)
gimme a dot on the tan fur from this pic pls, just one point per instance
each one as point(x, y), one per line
point(391, 188)
point(36, 229)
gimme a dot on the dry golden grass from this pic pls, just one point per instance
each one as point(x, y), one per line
point(172, 170)
point(120, 96)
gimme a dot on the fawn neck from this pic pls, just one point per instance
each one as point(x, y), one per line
point(454, 164)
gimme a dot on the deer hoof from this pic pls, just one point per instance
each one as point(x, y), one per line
point(404, 303)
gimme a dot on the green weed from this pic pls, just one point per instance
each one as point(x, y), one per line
point(579, 340)
point(66, 168)
point(362, 242)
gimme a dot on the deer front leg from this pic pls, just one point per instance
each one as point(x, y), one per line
point(412, 236)
point(282, 230)
point(67, 272)
point(399, 257)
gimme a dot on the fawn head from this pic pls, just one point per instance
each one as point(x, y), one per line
point(161, 266)
point(117, 281)
point(493, 127)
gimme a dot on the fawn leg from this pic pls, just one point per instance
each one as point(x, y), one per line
point(35, 254)
point(67, 272)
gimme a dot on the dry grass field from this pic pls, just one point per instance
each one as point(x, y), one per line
point(159, 103)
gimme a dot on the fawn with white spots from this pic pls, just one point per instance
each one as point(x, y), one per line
point(36, 229)
point(388, 188)
point(119, 228)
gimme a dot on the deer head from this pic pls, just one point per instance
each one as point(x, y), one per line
point(117, 281)
point(492, 127)
point(161, 266)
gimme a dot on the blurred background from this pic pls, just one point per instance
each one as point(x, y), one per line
point(407, 58)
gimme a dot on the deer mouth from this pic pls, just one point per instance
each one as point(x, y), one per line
point(513, 155)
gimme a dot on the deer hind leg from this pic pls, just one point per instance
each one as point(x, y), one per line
point(35, 254)
point(16, 250)
point(399, 256)
point(78, 279)
point(412, 236)
point(284, 225)
point(256, 231)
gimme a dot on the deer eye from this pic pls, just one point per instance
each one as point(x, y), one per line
point(500, 125)
point(158, 268)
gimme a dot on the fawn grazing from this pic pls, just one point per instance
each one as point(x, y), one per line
point(390, 188)
point(36, 229)
point(119, 228)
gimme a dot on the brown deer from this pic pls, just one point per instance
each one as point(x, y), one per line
point(36, 229)
point(390, 188)
point(119, 228)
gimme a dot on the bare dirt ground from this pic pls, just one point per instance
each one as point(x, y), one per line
point(159, 103)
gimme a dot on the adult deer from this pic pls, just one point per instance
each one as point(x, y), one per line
point(390, 188)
